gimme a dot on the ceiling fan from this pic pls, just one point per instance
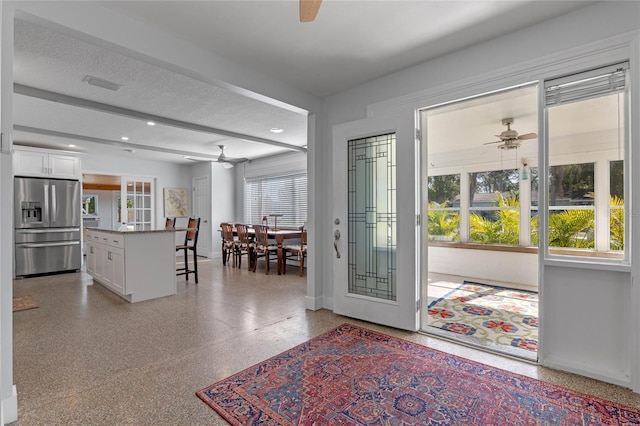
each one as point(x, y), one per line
point(226, 162)
point(309, 10)
point(509, 139)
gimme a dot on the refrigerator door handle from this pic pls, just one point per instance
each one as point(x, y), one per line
point(45, 214)
point(38, 245)
point(45, 231)
point(54, 210)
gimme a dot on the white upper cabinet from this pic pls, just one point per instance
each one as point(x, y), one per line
point(45, 163)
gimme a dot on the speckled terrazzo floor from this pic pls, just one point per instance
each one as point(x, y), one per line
point(87, 357)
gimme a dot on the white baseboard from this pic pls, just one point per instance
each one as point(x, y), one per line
point(10, 408)
point(313, 303)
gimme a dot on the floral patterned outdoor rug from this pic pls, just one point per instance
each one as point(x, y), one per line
point(354, 376)
point(501, 315)
point(23, 303)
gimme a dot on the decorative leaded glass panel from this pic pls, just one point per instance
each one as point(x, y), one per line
point(372, 216)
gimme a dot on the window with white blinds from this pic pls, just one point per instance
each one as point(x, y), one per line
point(285, 196)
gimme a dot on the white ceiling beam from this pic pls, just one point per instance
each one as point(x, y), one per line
point(53, 133)
point(35, 92)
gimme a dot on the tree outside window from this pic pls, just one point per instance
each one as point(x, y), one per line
point(443, 217)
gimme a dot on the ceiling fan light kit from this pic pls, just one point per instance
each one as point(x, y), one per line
point(509, 139)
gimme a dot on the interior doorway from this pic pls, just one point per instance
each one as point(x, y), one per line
point(480, 199)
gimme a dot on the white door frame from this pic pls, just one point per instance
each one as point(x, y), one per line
point(404, 311)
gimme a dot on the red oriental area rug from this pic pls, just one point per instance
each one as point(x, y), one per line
point(354, 376)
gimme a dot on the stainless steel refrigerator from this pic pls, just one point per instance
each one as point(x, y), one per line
point(47, 225)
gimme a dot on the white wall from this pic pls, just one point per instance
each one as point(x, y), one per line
point(566, 44)
point(505, 266)
point(222, 201)
point(8, 396)
point(166, 175)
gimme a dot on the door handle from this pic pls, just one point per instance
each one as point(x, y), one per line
point(336, 237)
point(54, 204)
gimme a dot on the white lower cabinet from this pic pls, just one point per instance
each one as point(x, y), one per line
point(135, 265)
point(112, 264)
point(91, 258)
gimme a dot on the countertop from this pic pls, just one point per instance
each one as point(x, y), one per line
point(132, 231)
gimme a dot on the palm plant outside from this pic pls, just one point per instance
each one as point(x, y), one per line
point(568, 229)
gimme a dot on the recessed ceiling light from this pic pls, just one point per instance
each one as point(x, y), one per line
point(71, 145)
point(124, 138)
point(151, 123)
point(276, 130)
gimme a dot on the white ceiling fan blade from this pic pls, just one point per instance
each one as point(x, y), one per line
point(234, 160)
point(528, 136)
point(309, 10)
point(489, 143)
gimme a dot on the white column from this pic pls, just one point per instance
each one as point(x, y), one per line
point(601, 202)
point(9, 406)
point(465, 203)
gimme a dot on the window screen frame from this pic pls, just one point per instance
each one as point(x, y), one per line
point(620, 85)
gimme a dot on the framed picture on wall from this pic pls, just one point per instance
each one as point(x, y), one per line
point(175, 202)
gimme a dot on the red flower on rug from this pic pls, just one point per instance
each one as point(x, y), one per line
point(528, 344)
point(351, 375)
point(501, 325)
point(442, 313)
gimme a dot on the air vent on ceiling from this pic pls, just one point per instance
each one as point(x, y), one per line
point(98, 82)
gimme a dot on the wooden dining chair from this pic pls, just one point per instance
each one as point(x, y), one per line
point(190, 244)
point(228, 243)
point(170, 223)
point(262, 247)
point(243, 246)
point(296, 252)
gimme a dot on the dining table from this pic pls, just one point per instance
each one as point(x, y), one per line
point(279, 235)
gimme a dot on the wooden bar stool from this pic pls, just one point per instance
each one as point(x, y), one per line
point(190, 244)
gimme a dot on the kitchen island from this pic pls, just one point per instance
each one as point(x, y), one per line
point(136, 265)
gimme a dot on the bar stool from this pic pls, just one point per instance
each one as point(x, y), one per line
point(190, 243)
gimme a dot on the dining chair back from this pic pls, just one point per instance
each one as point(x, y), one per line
point(296, 252)
point(243, 245)
point(262, 247)
point(170, 223)
point(228, 242)
point(190, 244)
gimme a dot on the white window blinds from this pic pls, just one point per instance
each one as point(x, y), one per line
point(276, 195)
point(586, 85)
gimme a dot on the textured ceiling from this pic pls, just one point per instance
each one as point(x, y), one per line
point(145, 88)
point(349, 43)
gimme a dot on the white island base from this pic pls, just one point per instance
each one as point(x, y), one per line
point(136, 265)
